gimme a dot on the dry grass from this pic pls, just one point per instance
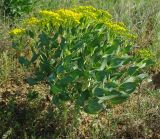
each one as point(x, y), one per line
point(137, 118)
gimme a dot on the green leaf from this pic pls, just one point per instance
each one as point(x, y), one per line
point(127, 49)
point(15, 45)
point(114, 46)
point(100, 75)
point(23, 61)
point(119, 99)
point(31, 81)
point(63, 96)
point(30, 33)
point(99, 92)
point(117, 62)
point(55, 89)
point(128, 87)
point(60, 31)
point(66, 80)
point(32, 95)
point(76, 74)
point(109, 95)
point(133, 70)
point(83, 98)
point(111, 49)
point(78, 45)
point(104, 63)
point(51, 77)
point(142, 76)
point(93, 107)
point(99, 26)
point(63, 42)
point(59, 69)
point(56, 100)
point(54, 41)
point(110, 86)
point(57, 53)
point(34, 57)
point(80, 63)
point(44, 39)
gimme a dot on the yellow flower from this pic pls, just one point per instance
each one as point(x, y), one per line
point(145, 53)
point(119, 29)
point(69, 16)
point(104, 15)
point(31, 21)
point(16, 31)
point(47, 13)
point(86, 11)
point(50, 16)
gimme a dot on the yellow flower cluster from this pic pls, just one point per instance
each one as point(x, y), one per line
point(92, 13)
point(86, 11)
point(71, 17)
point(46, 13)
point(145, 53)
point(16, 31)
point(115, 27)
point(31, 21)
point(50, 16)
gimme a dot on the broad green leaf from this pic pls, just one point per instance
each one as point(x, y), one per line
point(15, 45)
point(31, 81)
point(109, 95)
point(142, 76)
point(93, 106)
point(76, 74)
point(55, 89)
point(66, 80)
point(23, 61)
point(111, 49)
point(110, 86)
point(63, 96)
point(57, 53)
point(83, 98)
point(30, 33)
point(117, 62)
point(44, 39)
point(56, 100)
point(99, 26)
point(99, 92)
point(34, 57)
point(133, 70)
point(51, 78)
point(100, 75)
point(118, 100)
point(128, 87)
point(59, 69)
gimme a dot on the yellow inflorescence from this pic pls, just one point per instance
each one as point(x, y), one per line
point(49, 14)
point(69, 16)
point(92, 13)
point(86, 11)
point(145, 53)
point(16, 31)
point(31, 21)
point(72, 17)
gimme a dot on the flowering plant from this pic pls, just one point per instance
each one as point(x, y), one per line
point(83, 54)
